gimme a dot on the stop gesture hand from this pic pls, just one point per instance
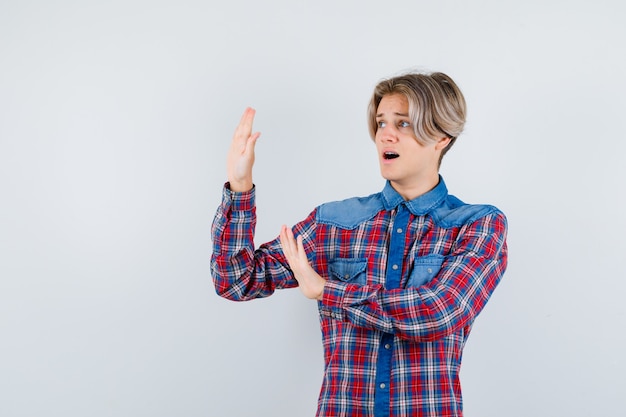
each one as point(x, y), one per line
point(310, 282)
point(241, 153)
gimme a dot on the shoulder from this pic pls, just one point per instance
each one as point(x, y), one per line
point(455, 213)
point(451, 212)
point(351, 212)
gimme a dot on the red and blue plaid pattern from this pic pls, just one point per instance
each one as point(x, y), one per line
point(389, 350)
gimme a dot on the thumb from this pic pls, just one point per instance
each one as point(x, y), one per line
point(251, 142)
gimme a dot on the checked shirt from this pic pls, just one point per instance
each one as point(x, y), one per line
point(405, 282)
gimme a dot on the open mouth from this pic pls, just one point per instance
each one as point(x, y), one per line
point(390, 155)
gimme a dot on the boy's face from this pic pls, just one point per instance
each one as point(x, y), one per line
point(405, 162)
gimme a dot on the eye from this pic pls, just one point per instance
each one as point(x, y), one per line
point(381, 124)
point(404, 123)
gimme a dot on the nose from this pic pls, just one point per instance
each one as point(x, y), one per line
point(387, 133)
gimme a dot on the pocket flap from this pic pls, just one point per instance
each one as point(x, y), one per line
point(425, 268)
point(347, 269)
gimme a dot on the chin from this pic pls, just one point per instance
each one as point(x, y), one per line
point(388, 175)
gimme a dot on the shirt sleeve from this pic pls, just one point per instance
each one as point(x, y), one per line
point(241, 272)
point(449, 302)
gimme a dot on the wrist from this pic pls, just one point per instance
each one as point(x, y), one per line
point(320, 295)
point(240, 186)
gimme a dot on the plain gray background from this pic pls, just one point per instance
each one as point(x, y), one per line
point(115, 118)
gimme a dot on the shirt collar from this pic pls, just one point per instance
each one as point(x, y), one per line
point(420, 205)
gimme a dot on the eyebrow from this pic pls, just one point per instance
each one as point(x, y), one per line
point(397, 114)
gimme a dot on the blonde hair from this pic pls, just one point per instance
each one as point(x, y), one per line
point(436, 106)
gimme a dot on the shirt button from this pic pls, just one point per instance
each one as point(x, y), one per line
point(394, 267)
point(387, 346)
point(430, 270)
point(399, 230)
point(346, 276)
point(382, 386)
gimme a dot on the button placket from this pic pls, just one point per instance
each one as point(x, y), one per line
point(392, 280)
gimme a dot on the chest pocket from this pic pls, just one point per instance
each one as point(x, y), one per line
point(425, 268)
point(349, 270)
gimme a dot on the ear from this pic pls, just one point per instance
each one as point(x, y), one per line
point(442, 143)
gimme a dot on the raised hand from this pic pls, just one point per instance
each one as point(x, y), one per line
point(241, 153)
point(310, 282)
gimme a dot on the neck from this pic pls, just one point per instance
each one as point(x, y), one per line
point(414, 189)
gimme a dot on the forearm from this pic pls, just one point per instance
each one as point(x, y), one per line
point(425, 313)
point(400, 312)
point(436, 309)
point(239, 271)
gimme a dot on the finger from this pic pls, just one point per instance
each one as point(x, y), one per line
point(292, 242)
point(301, 251)
point(289, 248)
point(247, 118)
point(244, 128)
point(294, 252)
point(283, 240)
point(286, 243)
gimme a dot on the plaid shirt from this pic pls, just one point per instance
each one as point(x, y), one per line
point(406, 279)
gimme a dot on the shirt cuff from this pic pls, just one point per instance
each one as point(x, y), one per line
point(239, 201)
point(332, 300)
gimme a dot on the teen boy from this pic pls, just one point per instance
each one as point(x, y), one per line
point(399, 276)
